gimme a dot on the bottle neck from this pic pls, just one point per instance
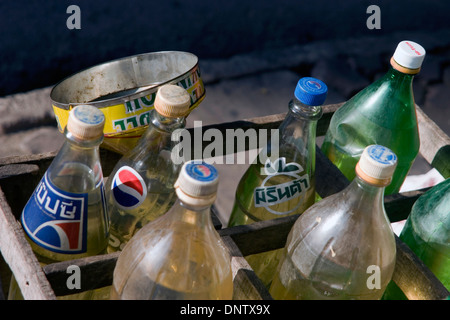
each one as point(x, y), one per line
point(77, 164)
point(158, 135)
point(402, 69)
point(85, 144)
point(400, 77)
point(367, 194)
point(300, 121)
point(200, 216)
point(165, 123)
point(297, 134)
point(76, 150)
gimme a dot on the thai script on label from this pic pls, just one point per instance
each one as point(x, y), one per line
point(267, 196)
point(146, 103)
point(55, 219)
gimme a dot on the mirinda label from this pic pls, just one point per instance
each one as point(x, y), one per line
point(55, 219)
point(268, 195)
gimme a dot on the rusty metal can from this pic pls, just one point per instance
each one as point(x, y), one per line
point(125, 90)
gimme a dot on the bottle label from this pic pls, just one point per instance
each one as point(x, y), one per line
point(267, 196)
point(55, 219)
point(128, 188)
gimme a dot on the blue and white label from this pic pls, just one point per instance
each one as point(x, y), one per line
point(55, 219)
point(382, 154)
point(201, 172)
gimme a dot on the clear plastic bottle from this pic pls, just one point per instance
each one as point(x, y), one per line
point(343, 246)
point(383, 113)
point(66, 217)
point(427, 233)
point(287, 185)
point(178, 256)
point(140, 187)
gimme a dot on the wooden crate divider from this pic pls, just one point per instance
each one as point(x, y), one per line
point(19, 175)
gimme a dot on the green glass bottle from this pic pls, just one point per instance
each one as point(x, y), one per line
point(284, 185)
point(427, 233)
point(382, 113)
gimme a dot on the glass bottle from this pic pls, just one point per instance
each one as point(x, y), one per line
point(286, 185)
point(66, 218)
point(178, 256)
point(140, 187)
point(427, 233)
point(383, 113)
point(343, 246)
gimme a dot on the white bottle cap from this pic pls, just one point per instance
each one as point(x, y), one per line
point(86, 122)
point(377, 165)
point(409, 54)
point(197, 183)
point(172, 101)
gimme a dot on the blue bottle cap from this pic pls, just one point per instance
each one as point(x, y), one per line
point(311, 91)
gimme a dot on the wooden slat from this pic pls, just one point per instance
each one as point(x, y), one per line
point(243, 240)
point(434, 144)
point(96, 272)
point(20, 257)
point(414, 278)
point(246, 285)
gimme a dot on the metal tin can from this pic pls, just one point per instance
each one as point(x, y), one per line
point(125, 90)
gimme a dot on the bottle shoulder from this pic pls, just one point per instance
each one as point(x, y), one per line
point(345, 210)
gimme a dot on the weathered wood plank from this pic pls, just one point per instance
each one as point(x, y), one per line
point(17, 172)
point(20, 257)
point(260, 236)
point(415, 280)
point(246, 284)
point(410, 273)
point(434, 143)
point(96, 272)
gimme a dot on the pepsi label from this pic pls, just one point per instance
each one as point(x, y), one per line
point(55, 219)
point(201, 172)
point(128, 188)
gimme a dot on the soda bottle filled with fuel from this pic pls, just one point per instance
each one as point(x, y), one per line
point(427, 233)
point(285, 184)
point(140, 187)
point(343, 246)
point(178, 256)
point(383, 113)
point(66, 218)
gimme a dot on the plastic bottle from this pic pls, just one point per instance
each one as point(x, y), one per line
point(140, 187)
point(343, 246)
point(285, 186)
point(66, 217)
point(178, 256)
point(427, 233)
point(383, 113)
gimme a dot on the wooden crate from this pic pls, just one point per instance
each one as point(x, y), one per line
point(19, 176)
